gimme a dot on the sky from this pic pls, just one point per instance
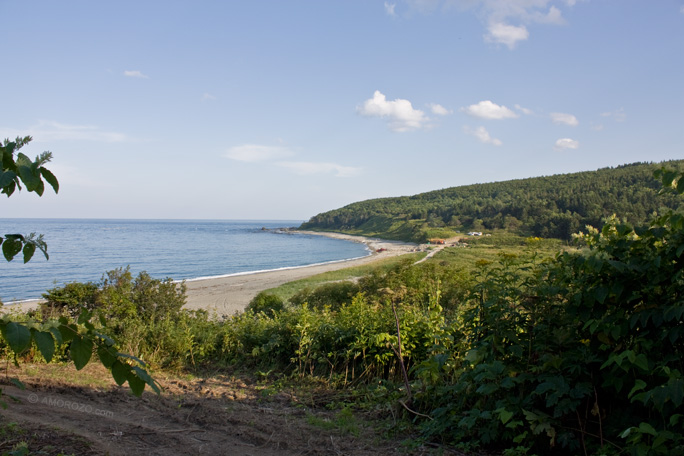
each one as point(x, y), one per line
point(280, 110)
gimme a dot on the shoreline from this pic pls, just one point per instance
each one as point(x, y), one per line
point(227, 294)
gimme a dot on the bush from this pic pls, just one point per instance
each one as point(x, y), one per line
point(583, 356)
point(331, 295)
point(267, 303)
point(119, 296)
point(70, 299)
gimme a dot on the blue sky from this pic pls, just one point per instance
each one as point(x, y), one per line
point(284, 109)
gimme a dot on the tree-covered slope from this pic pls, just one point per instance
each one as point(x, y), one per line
point(549, 206)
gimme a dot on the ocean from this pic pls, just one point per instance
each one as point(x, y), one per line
point(82, 250)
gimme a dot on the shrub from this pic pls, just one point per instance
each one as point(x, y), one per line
point(332, 295)
point(267, 303)
point(70, 299)
point(119, 296)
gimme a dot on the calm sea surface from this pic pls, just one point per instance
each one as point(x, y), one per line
point(82, 250)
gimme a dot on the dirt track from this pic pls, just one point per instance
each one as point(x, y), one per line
point(221, 416)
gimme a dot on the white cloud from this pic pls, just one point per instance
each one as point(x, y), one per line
point(509, 35)
point(389, 8)
point(488, 110)
point(554, 16)
point(274, 155)
point(50, 131)
point(440, 110)
point(308, 168)
point(566, 143)
point(208, 97)
point(135, 74)
point(524, 110)
point(506, 20)
point(618, 115)
point(401, 114)
point(253, 153)
point(561, 118)
point(482, 134)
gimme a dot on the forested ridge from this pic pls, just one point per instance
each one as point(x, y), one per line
point(549, 206)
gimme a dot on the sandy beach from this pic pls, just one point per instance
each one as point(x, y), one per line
point(227, 295)
point(230, 294)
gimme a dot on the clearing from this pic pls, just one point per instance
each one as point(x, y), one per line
point(62, 411)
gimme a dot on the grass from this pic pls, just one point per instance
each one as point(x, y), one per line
point(287, 290)
point(94, 375)
point(489, 248)
point(344, 422)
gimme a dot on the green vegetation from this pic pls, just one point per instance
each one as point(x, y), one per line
point(512, 345)
point(550, 207)
point(74, 333)
point(14, 172)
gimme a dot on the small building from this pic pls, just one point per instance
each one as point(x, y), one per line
point(475, 233)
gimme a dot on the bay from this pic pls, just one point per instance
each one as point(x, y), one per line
point(83, 250)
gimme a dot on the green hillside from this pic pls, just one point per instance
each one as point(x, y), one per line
point(549, 206)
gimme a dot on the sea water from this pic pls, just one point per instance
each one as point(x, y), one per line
point(83, 250)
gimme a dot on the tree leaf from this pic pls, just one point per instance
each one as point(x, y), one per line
point(120, 372)
point(505, 416)
point(68, 330)
point(58, 335)
point(29, 250)
point(144, 376)
point(107, 355)
point(136, 383)
point(18, 336)
point(32, 181)
point(638, 386)
point(647, 428)
point(7, 178)
point(45, 343)
point(50, 179)
point(10, 247)
point(641, 361)
point(81, 350)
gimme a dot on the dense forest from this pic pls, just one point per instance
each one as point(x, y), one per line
point(550, 206)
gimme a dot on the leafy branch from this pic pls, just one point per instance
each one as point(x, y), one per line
point(13, 174)
point(81, 336)
point(82, 339)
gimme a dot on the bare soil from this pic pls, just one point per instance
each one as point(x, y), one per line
point(221, 415)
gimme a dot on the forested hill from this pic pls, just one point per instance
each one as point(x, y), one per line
point(551, 206)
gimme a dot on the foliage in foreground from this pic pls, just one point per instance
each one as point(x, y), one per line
point(579, 355)
point(582, 354)
point(13, 173)
point(78, 340)
point(81, 336)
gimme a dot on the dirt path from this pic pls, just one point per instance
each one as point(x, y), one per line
point(220, 416)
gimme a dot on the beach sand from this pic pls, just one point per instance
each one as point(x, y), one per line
point(231, 294)
point(228, 295)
